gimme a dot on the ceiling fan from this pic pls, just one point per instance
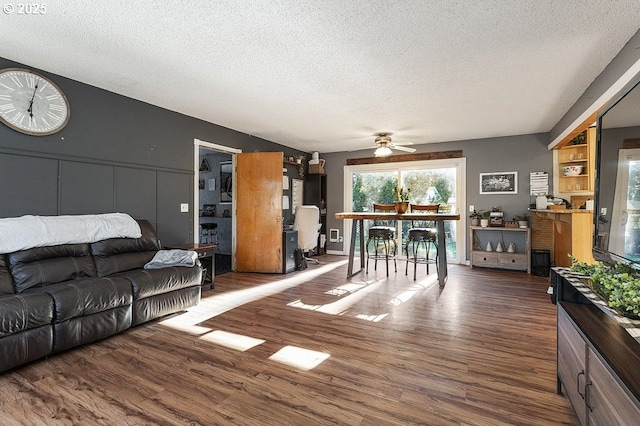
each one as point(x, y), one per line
point(384, 144)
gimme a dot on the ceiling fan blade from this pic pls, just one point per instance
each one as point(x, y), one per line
point(403, 148)
point(383, 141)
point(360, 149)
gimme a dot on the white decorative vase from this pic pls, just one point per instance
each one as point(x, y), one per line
point(499, 247)
point(489, 248)
point(484, 222)
point(511, 248)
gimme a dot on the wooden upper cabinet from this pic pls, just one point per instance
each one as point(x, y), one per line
point(576, 154)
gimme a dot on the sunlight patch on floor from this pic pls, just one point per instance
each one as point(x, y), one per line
point(185, 324)
point(346, 288)
point(235, 341)
point(372, 318)
point(351, 293)
point(304, 359)
point(414, 289)
point(300, 304)
point(218, 304)
point(344, 303)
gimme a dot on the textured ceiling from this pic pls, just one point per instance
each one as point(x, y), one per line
point(325, 75)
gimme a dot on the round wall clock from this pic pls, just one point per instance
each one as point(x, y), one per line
point(31, 103)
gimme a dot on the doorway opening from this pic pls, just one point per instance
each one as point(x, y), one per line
point(214, 219)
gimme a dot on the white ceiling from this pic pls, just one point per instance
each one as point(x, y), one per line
point(324, 75)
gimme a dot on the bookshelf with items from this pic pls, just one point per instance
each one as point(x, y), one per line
point(315, 194)
point(575, 165)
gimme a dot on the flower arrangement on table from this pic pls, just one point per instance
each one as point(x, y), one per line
point(402, 195)
point(402, 200)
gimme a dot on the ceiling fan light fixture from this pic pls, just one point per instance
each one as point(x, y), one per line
point(382, 151)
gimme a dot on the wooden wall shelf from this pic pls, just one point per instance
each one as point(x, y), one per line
point(574, 155)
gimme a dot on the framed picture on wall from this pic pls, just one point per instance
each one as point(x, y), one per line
point(208, 210)
point(499, 183)
point(226, 182)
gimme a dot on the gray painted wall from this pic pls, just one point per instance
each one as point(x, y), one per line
point(524, 154)
point(116, 154)
point(627, 56)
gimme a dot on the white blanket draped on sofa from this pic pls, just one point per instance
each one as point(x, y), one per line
point(164, 258)
point(25, 232)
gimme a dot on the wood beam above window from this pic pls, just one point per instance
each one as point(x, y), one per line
point(631, 143)
point(421, 156)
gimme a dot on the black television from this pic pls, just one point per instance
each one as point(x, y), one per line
point(617, 183)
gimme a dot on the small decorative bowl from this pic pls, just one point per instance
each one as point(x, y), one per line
point(572, 170)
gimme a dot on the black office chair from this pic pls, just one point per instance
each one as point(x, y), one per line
point(383, 236)
point(421, 236)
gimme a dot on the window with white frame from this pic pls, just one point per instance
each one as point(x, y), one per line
point(429, 182)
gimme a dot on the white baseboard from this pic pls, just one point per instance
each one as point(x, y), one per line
point(336, 252)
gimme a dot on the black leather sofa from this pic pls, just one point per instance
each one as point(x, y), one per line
point(58, 297)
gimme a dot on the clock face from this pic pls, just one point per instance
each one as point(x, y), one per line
point(31, 103)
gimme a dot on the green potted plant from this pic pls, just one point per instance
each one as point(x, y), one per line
point(475, 217)
point(618, 285)
point(523, 220)
point(484, 222)
point(578, 140)
point(402, 200)
point(299, 158)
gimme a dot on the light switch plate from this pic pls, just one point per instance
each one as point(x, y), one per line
point(184, 208)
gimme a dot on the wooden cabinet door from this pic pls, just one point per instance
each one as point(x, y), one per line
point(572, 357)
point(608, 402)
point(258, 204)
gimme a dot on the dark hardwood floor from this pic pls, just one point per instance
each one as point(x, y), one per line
point(314, 348)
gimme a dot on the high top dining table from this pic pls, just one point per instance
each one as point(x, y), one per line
point(358, 219)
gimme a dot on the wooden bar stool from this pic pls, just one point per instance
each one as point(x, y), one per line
point(209, 233)
point(421, 236)
point(383, 237)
